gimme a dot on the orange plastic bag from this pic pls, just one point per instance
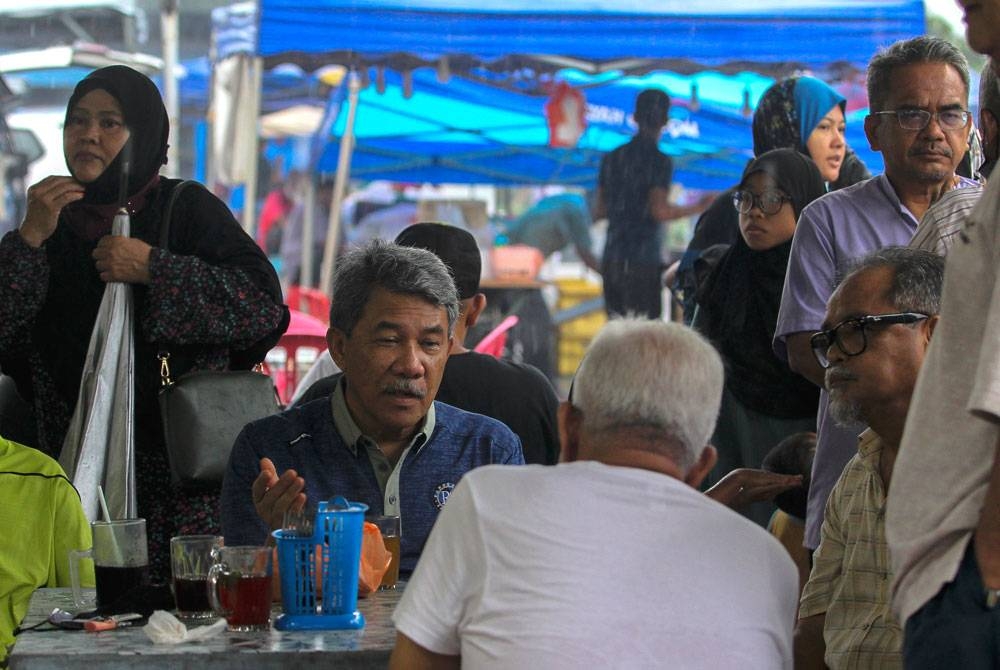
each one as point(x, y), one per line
point(375, 559)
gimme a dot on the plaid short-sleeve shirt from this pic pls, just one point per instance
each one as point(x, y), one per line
point(851, 574)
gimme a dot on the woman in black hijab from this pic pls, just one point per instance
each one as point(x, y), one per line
point(763, 401)
point(211, 298)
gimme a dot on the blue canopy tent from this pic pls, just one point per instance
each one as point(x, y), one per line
point(768, 36)
point(469, 132)
point(486, 123)
point(521, 44)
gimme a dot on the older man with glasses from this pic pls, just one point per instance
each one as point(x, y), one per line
point(878, 326)
point(918, 90)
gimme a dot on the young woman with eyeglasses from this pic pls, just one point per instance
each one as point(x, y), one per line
point(737, 307)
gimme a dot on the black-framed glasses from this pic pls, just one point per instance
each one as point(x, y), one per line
point(851, 335)
point(769, 202)
point(917, 119)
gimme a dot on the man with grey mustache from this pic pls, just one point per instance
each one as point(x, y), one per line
point(379, 438)
point(877, 329)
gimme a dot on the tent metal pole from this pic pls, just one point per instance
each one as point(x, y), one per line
point(250, 185)
point(340, 184)
point(307, 232)
point(169, 28)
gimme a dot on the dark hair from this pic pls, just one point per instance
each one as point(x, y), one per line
point(923, 49)
point(453, 245)
point(652, 108)
point(917, 279)
point(792, 456)
point(989, 91)
point(793, 172)
point(395, 268)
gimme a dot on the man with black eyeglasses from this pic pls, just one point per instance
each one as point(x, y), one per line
point(943, 514)
point(877, 329)
point(918, 91)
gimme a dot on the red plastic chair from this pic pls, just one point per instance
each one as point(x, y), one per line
point(304, 330)
point(496, 339)
point(311, 301)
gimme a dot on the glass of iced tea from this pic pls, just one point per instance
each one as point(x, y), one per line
point(389, 525)
point(239, 587)
point(190, 560)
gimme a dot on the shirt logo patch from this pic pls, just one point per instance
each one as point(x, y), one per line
point(441, 494)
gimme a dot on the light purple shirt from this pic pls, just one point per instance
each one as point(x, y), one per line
point(832, 231)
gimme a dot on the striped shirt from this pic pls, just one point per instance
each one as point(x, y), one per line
point(851, 575)
point(945, 219)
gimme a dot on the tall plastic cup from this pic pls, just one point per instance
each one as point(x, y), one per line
point(121, 561)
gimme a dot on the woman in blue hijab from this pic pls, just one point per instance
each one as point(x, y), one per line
point(806, 114)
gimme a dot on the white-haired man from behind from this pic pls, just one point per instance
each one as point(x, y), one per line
point(612, 558)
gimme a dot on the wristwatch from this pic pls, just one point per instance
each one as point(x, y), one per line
point(992, 597)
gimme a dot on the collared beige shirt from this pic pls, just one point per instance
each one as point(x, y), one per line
point(851, 576)
point(941, 476)
point(385, 473)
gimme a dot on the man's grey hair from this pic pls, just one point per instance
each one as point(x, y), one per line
point(663, 379)
point(395, 268)
point(924, 49)
point(918, 277)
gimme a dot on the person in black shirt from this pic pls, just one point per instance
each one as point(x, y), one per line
point(633, 192)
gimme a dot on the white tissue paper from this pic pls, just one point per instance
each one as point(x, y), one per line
point(164, 628)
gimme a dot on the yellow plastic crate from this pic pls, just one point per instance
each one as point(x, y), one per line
point(575, 335)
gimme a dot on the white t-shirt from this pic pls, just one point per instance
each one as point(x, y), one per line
point(588, 565)
point(940, 477)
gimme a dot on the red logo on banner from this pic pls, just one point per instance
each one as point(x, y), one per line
point(566, 114)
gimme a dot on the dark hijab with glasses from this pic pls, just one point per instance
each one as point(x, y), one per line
point(738, 308)
point(738, 304)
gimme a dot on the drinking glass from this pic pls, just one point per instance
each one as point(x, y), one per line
point(389, 525)
point(239, 587)
point(190, 559)
point(121, 562)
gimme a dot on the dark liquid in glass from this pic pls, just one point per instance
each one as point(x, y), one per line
point(246, 598)
point(113, 582)
point(191, 595)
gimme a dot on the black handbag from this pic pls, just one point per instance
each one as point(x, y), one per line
point(204, 411)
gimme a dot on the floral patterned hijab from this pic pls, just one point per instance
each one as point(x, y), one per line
point(789, 111)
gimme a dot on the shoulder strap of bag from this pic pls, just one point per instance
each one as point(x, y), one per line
point(168, 212)
point(163, 355)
